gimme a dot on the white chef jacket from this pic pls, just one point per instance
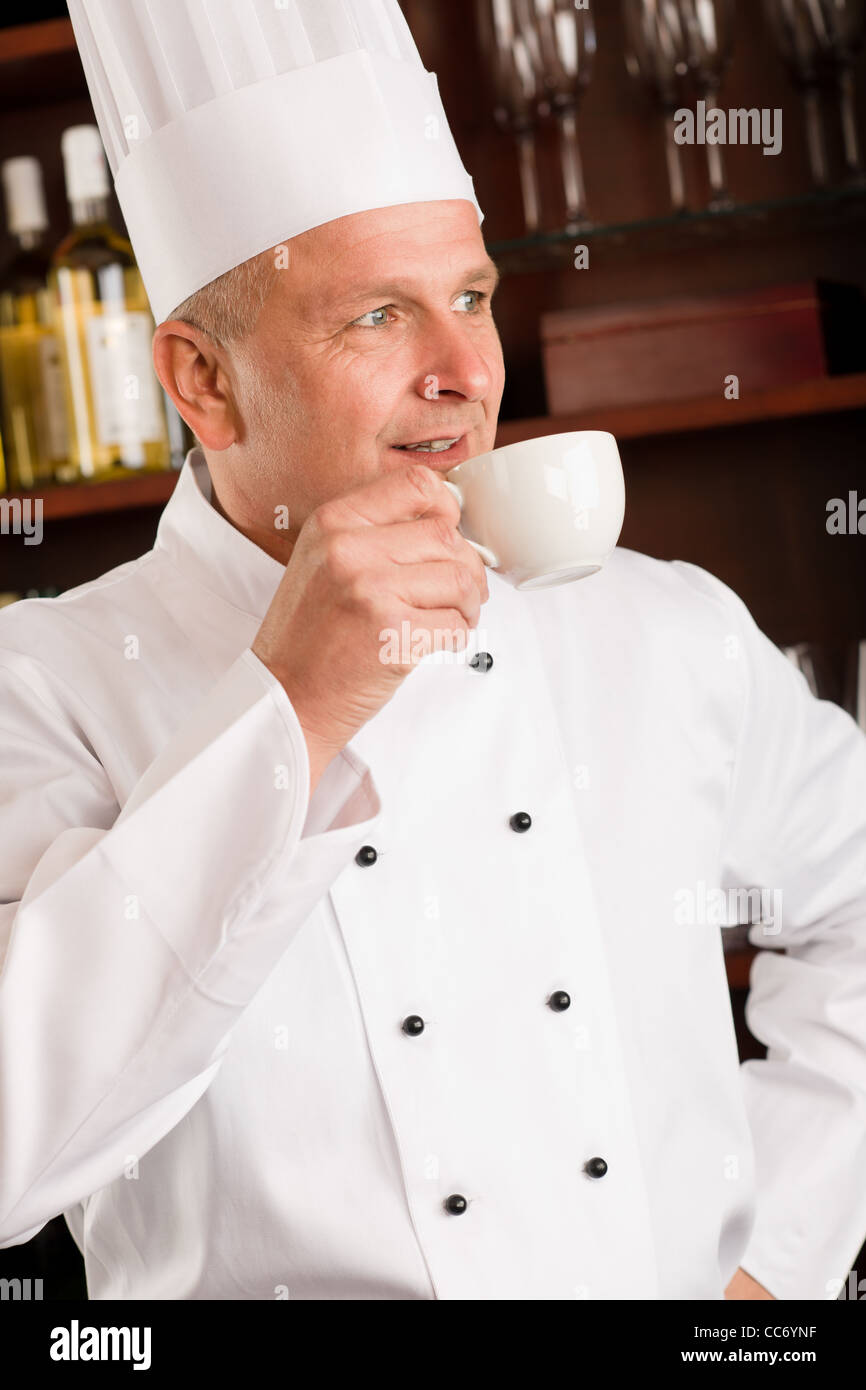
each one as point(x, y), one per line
point(203, 1058)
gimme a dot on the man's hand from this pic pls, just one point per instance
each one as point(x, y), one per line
point(387, 553)
point(744, 1286)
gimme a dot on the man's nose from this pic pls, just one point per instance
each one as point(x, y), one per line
point(454, 360)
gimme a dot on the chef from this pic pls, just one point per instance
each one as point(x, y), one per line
point(328, 978)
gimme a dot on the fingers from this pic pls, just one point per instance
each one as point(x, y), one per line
point(432, 538)
point(440, 584)
point(402, 495)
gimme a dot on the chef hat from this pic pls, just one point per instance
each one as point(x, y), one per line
point(232, 125)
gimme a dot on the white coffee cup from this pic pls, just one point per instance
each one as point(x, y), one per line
point(543, 511)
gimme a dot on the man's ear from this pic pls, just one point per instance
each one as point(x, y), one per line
point(193, 371)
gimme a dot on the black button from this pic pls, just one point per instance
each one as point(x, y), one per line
point(366, 855)
point(481, 661)
point(413, 1025)
point(520, 821)
point(455, 1204)
point(559, 1001)
point(596, 1167)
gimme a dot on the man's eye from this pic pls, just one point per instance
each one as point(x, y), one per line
point(479, 295)
point(371, 313)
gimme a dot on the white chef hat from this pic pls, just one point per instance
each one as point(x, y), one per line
point(232, 125)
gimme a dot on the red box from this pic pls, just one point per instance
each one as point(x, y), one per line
point(683, 348)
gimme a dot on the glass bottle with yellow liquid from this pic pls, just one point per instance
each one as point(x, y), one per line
point(114, 398)
point(31, 371)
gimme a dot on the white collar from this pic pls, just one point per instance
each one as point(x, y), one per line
point(210, 550)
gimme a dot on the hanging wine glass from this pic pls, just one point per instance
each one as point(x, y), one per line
point(657, 53)
point(845, 26)
point(516, 93)
point(800, 31)
point(561, 40)
point(709, 31)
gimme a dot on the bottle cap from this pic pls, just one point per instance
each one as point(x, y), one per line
point(25, 194)
point(84, 163)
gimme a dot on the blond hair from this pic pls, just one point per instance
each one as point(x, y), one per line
point(227, 309)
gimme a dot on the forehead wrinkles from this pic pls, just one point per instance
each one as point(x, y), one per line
point(329, 264)
point(417, 278)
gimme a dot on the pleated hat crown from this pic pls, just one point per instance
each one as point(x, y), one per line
point(232, 125)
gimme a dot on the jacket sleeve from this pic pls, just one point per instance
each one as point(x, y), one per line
point(797, 828)
point(131, 940)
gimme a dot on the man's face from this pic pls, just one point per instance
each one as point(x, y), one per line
point(378, 333)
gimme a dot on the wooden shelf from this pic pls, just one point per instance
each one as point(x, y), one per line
point(85, 499)
point(34, 40)
point(675, 417)
point(819, 211)
point(39, 65)
point(626, 422)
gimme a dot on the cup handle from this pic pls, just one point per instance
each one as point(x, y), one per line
point(486, 554)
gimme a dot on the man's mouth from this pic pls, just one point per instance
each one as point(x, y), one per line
point(430, 446)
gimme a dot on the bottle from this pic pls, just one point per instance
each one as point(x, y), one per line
point(31, 372)
point(114, 400)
